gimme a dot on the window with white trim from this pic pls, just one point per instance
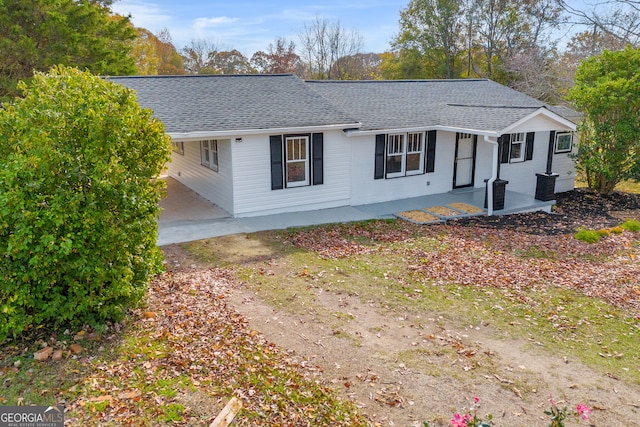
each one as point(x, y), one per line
point(564, 142)
point(404, 154)
point(297, 160)
point(415, 153)
point(177, 147)
point(209, 154)
point(395, 155)
point(516, 153)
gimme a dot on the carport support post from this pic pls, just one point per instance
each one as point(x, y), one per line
point(494, 174)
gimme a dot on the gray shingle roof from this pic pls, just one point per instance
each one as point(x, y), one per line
point(233, 102)
point(252, 102)
point(470, 104)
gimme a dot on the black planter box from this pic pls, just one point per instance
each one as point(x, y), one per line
point(499, 190)
point(546, 186)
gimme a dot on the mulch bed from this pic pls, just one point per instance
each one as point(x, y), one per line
point(573, 209)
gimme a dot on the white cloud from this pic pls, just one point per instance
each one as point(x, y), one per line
point(219, 21)
point(143, 14)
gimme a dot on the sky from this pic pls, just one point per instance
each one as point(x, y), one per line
point(250, 26)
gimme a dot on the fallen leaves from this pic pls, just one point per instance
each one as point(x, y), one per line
point(43, 354)
point(189, 343)
point(492, 258)
point(419, 216)
point(508, 251)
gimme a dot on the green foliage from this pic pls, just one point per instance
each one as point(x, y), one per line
point(38, 34)
point(607, 91)
point(78, 201)
point(631, 225)
point(589, 236)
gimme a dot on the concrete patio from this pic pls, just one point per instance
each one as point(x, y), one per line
point(186, 216)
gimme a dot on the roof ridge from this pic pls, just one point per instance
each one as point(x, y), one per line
point(497, 106)
point(164, 76)
point(402, 81)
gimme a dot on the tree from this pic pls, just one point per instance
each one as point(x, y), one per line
point(403, 64)
point(79, 161)
point(325, 46)
point(170, 60)
point(37, 34)
point(617, 18)
point(144, 52)
point(361, 66)
point(433, 28)
point(469, 38)
point(607, 91)
point(230, 62)
point(156, 54)
point(582, 46)
point(279, 58)
point(197, 57)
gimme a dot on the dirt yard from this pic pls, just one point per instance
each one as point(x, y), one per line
point(404, 367)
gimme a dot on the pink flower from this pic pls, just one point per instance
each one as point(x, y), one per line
point(584, 411)
point(460, 420)
point(476, 399)
point(553, 403)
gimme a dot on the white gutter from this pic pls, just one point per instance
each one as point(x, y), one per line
point(494, 174)
point(185, 136)
point(485, 133)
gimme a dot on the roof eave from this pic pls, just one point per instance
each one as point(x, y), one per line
point(483, 132)
point(198, 135)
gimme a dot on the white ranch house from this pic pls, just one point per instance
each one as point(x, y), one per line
point(266, 144)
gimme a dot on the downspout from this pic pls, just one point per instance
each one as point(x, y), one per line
point(494, 174)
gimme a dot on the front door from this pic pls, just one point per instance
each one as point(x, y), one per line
point(465, 160)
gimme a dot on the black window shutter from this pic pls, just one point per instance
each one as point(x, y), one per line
point(379, 159)
point(505, 146)
point(317, 156)
point(277, 172)
point(528, 153)
point(430, 155)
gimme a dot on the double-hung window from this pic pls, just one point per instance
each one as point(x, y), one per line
point(415, 153)
point(517, 148)
point(297, 161)
point(404, 154)
point(209, 153)
point(395, 155)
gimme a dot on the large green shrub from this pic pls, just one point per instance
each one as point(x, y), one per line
point(79, 161)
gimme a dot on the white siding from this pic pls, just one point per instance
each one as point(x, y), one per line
point(565, 167)
point(522, 175)
point(252, 172)
point(484, 159)
point(538, 123)
point(366, 189)
point(216, 187)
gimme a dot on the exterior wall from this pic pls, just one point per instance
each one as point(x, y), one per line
point(216, 187)
point(522, 175)
point(366, 189)
point(242, 184)
point(484, 158)
point(565, 167)
point(252, 174)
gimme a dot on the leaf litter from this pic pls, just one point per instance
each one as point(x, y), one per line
point(190, 339)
